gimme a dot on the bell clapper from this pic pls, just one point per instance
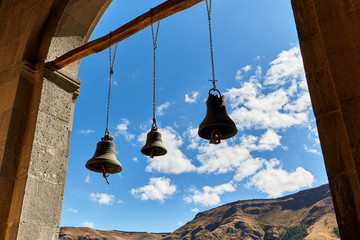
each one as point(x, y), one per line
point(105, 175)
point(215, 137)
point(152, 154)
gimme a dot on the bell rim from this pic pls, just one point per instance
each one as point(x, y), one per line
point(226, 136)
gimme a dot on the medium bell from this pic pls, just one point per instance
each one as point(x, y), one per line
point(153, 146)
point(217, 124)
point(104, 160)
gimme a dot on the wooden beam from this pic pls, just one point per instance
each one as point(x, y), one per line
point(158, 13)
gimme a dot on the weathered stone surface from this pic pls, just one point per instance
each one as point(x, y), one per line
point(328, 34)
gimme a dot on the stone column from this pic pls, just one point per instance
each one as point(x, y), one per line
point(33, 163)
point(44, 189)
point(329, 41)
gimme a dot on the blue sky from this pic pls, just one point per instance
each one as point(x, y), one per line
point(259, 69)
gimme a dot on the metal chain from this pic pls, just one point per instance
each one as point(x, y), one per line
point(154, 38)
point(111, 72)
point(208, 8)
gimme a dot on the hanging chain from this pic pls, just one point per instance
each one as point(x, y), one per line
point(111, 72)
point(154, 38)
point(208, 8)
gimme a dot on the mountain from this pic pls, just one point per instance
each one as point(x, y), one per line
point(84, 233)
point(308, 211)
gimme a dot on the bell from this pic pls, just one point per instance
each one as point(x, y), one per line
point(217, 124)
point(104, 160)
point(153, 146)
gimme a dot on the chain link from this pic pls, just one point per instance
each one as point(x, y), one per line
point(154, 38)
point(111, 72)
point(208, 8)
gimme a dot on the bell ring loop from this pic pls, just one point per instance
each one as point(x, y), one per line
point(214, 89)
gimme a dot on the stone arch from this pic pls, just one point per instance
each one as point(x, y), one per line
point(36, 104)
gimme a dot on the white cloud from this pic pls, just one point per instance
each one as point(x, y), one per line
point(260, 107)
point(102, 198)
point(72, 210)
point(174, 161)
point(87, 224)
point(158, 189)
point(180, 223)
point(238, 75)
point(268, 141)
point(287, 66)
point(195, 210)
point(229, 156)
point(122, 129)
point(120, 201)
point(248, 167)
point(276, 181)
point(160, 109)
point(191, 97)
point(87, 179)
point(247, 68)
point(86, 131)
point(208, 196)
point(221, 158)
point(311, 150)
point(135, 159)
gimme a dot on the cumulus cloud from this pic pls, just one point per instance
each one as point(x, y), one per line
point(230, 156)
point(122, 129)
point(102, 198)
point(221, 158)
point(160, 109)
point(87, 224)
point(311, 150)
point(238, 75)
point(258, 106)
point(195, 210)
point(287, 66)
point(208, 196)
point(276, 181)
point(191, 97)
point(158, 189)
point(72, 210)
point(248, 168)
point(174, 161)
point(85, 131)
point(268, 141)
point(247, 68)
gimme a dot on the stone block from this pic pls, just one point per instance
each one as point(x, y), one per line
point(351, 114)
point(334, 144)
point(56, 101)
point(322, 92)
point(346, 195)
point(49, 233)
point(29, 231)
point(42, 203)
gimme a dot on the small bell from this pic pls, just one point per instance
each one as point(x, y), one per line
point(217, 124)
point(104, 160)
point(153, 146)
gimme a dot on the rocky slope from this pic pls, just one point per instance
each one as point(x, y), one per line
point(84, 233)
point(266, 218)
point(250, 219)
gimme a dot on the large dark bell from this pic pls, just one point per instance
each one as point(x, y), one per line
point(153, 146)
point(217, 124)
point(104, 159)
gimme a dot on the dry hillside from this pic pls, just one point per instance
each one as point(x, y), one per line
point(266, 219)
